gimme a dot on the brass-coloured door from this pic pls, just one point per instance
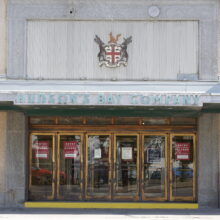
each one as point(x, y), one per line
point(126, 167)
point(112, 166)
point(154, 167)
point(56, 168)
point(70, 166)
point(182, 167)
point(98, 166)
point(42, 166)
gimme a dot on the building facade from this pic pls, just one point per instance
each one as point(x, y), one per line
point(109, 101)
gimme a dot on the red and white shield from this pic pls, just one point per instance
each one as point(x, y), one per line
point(112, 54)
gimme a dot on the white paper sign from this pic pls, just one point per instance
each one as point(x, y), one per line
point(182, 157)
point(97, 153)
point(41, 156)
point(126, 153)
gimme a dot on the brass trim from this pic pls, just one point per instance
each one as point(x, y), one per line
point(113, 133)
point(145, 198)
point(59, 160)
point(108, 196)
point(52, 160)
point(185, 198)
point(115, 196)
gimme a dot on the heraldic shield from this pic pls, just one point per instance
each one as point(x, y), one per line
point(113, 54)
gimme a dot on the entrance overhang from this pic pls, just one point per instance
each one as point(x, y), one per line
point(110, 98)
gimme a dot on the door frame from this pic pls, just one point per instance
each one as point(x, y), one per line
point(58, 161)
point(166, 168)
point(109, 196)
point(52, 196)
point(112, 160)
point(181, 198)
point(119, 197)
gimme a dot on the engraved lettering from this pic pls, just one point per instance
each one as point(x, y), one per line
point(145, 100)
point(31, 98)
point(86, 99)
point(196, 99)
point(133, 99)
point(41, 99)
point(118, 99)
point(101, 99)
point(62, 99)
point(73, 99)
point(51, 99)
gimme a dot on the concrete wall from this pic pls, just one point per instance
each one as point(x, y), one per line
point(204, 11)
point(208, 160)
point(218, 39)
point(3, 4)
point(3, 154)
point(55, 49)
point(13, 157)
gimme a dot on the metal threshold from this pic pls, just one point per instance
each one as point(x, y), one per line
point(110, 205)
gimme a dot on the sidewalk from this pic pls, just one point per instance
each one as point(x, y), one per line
point(103, 214)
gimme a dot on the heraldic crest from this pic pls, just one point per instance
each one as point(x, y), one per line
point(113, 54)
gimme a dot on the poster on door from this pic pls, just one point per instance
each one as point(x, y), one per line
point(126, 153)
point(182, 151)
point(41, 149)
point(154, 155)
point(71, 149)
point(97, 153)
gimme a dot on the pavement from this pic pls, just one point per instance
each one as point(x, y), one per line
point(107, 214)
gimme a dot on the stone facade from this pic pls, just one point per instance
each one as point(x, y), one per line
point(13, 164)
point(3, 8)
point(13, 129)
point(208, 160)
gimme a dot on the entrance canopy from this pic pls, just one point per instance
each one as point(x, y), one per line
point(92, 97)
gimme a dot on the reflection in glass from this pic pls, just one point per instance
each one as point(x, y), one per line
point(98, 165)
point(182, 170)
point(154, 166)
point(41, 167)
point(69, 175)
point(126, 165)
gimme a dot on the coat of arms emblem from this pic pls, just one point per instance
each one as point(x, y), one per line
point(113, 54)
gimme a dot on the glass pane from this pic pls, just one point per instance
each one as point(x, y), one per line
point(41, 167)
point(42, 120)
point(98, 121)
point(70, 120)
point(182, 170)
point(126, 165)
point(154, 166)
point(126, 121)
point(98, 165)
point(154, 121)
point(69, 175)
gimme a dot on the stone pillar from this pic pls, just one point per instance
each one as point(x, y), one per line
point(3, 5)
point(3, 154)
point(208, 160)
point(13, 159)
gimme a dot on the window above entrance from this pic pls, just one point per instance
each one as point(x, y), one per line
point(112, 121)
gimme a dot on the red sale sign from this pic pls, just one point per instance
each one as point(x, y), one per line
point(41, 149)
point(182, 151)
point(71, 149)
